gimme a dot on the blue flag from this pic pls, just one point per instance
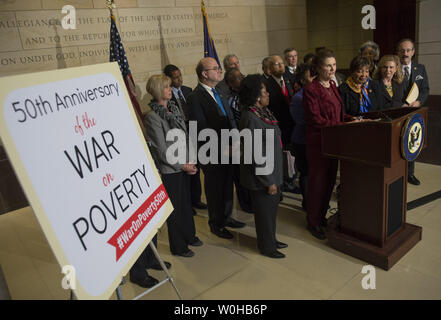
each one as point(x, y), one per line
point(209, 49)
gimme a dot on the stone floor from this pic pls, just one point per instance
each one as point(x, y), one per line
point(233, 269)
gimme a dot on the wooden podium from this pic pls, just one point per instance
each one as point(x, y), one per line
point(371, 222)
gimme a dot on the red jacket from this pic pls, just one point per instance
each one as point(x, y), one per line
point(321, 110)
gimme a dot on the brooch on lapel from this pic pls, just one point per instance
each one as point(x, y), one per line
point(419, 77)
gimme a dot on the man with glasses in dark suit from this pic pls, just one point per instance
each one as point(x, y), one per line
point(211, 111)
point(413, 73)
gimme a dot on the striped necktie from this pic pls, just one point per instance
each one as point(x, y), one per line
point(406, 73)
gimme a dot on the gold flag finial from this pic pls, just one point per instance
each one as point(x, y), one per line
point(111, 5)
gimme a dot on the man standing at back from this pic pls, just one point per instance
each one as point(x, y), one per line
point(280, 89)
point(291, 59)
point(211, 110)
point(231, 61)
point(180, 96)
point(413, 73)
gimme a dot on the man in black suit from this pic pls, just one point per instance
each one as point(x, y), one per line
point(211, 111)
point(291, 59)
point(413, 73)
point(180, 96)
point(280, 89)
point(265, 69)
point(231, 61)
point(233, 78)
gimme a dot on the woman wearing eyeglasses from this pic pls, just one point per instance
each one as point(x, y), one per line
point(359, 93)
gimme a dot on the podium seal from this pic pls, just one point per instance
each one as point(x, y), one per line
point(412, 137)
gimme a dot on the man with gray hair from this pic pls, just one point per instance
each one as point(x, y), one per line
point(265, 69)
point(291, 59)
point(231, 61)
point(414, 73)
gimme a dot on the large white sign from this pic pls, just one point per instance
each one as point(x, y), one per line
point(76, 146)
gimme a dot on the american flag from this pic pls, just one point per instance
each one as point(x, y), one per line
point(118, 54)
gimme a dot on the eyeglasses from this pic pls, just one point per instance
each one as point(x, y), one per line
point(279, 64)
point(214, 68)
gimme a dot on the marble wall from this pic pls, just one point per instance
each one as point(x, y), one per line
point(336, 24)
point(428, 41)
point(153, 32)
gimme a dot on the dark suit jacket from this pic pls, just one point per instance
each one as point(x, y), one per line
point(340, 78)
point(264, 80)
point(280, 107)
point(185, 91)
point(419, 75)
point(248, 177)
point(204, 109)
point(222, 87)
point(290, 76)
point(385, 101)
point(351, 99)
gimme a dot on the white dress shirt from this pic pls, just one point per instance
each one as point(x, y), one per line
point(209, 90)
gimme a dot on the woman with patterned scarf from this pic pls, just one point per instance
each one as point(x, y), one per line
point(264, 188)
point(359, 93)
point(164, 116)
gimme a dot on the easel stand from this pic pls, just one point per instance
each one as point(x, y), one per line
point(168, 278)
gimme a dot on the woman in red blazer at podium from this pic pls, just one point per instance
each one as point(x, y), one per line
point(323, 107)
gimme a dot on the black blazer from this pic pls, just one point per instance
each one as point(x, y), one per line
point(351, 99)
point(248, 177)
point(264, 80)
point(280, 107)
point(185, 91)
point(385, 101)
point(290, 76)
point(419, 75)
point(340, 78)
point(204, 109)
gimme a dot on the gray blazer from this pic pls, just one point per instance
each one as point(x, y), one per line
point(248, 177)
point(157, 129)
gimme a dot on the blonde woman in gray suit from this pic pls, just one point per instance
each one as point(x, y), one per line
point(164, 116)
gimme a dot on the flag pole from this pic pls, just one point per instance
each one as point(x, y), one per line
point(209, 48)
point(128, 79)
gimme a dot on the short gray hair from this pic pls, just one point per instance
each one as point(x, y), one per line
point(227, 59)
point(374, 46)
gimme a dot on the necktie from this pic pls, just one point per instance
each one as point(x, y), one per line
point(284, 91)
point(219, 101)
point(181, 96)
point(406, 72)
